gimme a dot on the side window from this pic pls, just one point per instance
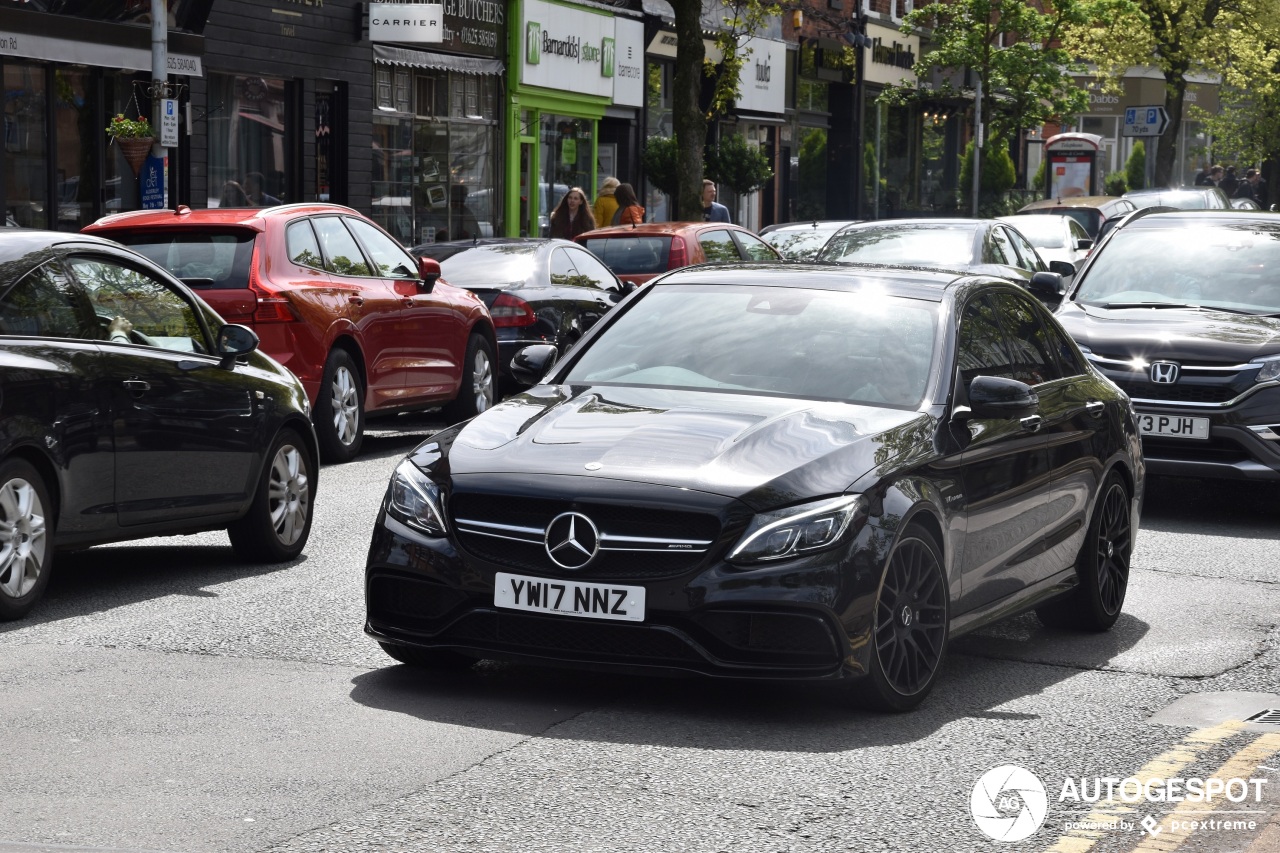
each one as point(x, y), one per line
point(137, 308)
point(983, 350)
point(341, 252)
point(1002, 251)
point(562, 271)
point(1034, 357)
point(1030, 257)
point(391, 260)
point(1077, 232)
point(45, 304)
point(591, 273)
point(300, 242)
point(719, 246)
point(753, 248)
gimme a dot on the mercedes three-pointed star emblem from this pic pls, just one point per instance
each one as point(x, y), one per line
point(572, 540)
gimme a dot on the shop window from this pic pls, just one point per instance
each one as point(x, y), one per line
point(248, 137)
point(431, 99)
point(26, 145)
point(403, 90)
point(382, 88)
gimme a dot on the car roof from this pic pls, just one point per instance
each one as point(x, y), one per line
point(810, 225)
point(1071, 201)
point(659, 229)
point(481, 242)
point(915, 283)
point(186, 217)
point(1200, 218)
point(19, 242)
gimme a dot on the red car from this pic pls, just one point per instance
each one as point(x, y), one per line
point(369, 329)
point(638, 253)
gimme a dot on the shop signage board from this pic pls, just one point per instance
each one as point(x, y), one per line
point(572, 50)
point(628, 68)
point(406, 23)
point(762, 83)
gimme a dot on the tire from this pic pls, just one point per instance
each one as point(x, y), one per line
point(479, 382)
point(339, 414)
point(910, 628)
point(278, 523)
point(1102, 566)
point(436, 659)
point(26, 538)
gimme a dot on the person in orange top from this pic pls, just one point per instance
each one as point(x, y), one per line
point(630, 211)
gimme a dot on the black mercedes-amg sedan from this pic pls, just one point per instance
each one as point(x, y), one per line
point(815, 472)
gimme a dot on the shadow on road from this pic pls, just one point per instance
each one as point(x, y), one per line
point(727, 715)
point(1212, 508)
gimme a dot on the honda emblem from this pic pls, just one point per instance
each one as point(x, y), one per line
point(1164, 372)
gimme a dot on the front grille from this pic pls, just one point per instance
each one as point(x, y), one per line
point(1178, 392)
point(517, 632)
point(410, 602)
point(794, 638)
point(609, 565)
point(1219, 450)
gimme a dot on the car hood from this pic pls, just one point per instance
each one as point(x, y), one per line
point(1174, 333)
point(766, 451)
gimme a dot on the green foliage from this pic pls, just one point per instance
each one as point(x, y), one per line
point(1135, 168)
point(660, 158)
point(811, 203)
point(998, 173)
point(742, 167)
point(129, 128)
point(1037, 182)
point(1115, 184)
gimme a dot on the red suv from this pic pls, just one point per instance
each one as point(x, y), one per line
point(369, 329)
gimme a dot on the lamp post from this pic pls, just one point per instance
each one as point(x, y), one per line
point(159, 80)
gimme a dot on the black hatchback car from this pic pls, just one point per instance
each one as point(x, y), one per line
point(1182, 311)
point(815, 472)
point(128, 409)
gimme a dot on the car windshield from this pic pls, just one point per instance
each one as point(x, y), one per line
point(1210, 265)
point(1183, 201)
point(210, 258)
point(916, 245)
point(1043, 232)
point(858, 347)
point(629, 255)
point(479, 267)
point(800, 244)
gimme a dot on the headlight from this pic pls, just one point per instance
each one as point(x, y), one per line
point(1270, 369)
point(797, 530)
point(415, 500)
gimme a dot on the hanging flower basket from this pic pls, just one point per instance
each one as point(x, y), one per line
point(135, 149)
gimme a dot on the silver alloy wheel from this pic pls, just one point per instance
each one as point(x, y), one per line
point(288, 494)
point(23, 538)
point(482, 380)
point(344, 406)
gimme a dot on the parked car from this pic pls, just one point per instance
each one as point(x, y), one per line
point(1182, 198)
point(129, 409)
point(1245, 204)
point(536, 290)
point(1182, 311)
point(910, 455)
point(639, 253)
point(1055, 238)
point(986, 246)
point(1089, 210)
point(369, 329)
point(800, 241)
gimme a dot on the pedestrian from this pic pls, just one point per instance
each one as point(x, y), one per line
point(606, 205)
point(572, 215)
point(712, 210)
point(1210, 178)
point(253, 188)
point(1229, 183)
point(1250, 186)
point(630, 211)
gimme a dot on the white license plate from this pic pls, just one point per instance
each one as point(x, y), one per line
point(569, 598)
point(1175, 426)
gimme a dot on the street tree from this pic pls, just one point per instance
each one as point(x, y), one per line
point(1179, 37)
point(1026, 83)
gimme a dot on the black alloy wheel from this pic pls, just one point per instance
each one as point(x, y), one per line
point(911, 625)
point(1102, 566)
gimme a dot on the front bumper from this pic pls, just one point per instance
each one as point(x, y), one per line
point(1243, 443)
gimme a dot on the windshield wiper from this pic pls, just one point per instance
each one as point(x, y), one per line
point(1140, 305)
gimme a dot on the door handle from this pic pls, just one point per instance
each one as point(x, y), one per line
point(406, 301)
point(137, 385)
point(1095, 408)
point(356, 300)
point(1031, 424)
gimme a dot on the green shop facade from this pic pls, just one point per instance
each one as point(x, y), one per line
point(576, 82)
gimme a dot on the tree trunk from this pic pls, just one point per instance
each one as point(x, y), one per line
point(688, 120)
point(1175, 91)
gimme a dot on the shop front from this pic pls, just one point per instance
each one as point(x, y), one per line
point(577, 82)
point(904, 151)
point(759, 114)
point(437, 115)
point(58, 167)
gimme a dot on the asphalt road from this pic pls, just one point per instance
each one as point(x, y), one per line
point(165, 698)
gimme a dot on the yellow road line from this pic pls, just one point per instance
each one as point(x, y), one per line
point(1178, 826)
point(1166, 765)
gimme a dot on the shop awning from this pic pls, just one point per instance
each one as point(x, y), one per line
point(391, 55)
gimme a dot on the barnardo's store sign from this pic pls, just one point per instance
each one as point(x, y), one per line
point(572, 50)
point(407, 23)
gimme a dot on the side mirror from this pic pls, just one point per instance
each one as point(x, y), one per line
point(1083, 245)
point(1062, 268)
point(997, 397)
point(1047, 286)
point(429, 273)
point(532, 363)
point(235, 341)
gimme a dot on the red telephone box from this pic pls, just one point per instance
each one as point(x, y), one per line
point(1072, 167)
